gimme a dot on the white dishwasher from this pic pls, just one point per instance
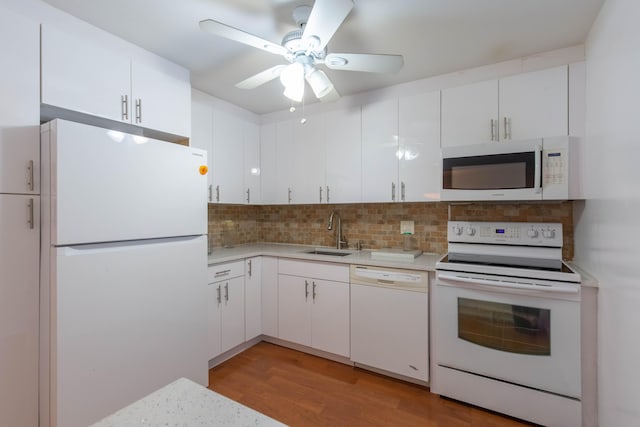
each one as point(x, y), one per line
point(389, 320)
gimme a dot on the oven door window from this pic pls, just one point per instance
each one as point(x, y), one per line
point(490, 172)
point(505, 327)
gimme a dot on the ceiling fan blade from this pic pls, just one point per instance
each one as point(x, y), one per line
point(326, 16)
point(261, 78)
point(231, 33)
point(371, 63)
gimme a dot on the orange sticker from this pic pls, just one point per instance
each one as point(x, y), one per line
point(204, 169)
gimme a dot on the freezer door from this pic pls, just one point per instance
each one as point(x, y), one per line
point(102, 185)
point(125, 320)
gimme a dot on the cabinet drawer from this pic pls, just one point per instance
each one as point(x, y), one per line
point(218, 272)
point(316, 270)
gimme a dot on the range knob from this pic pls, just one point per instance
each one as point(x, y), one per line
point(549, 233)
point(457, 230)
point(533, 233)
point(470, 231)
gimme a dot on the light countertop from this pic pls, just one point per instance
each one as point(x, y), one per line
point(185, 403)
point(424, 262)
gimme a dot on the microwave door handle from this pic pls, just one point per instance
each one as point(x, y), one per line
point(537, 188)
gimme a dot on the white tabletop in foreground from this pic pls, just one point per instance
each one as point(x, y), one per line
point(185, 403)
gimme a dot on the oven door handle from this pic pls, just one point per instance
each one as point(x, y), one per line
point(510, 285)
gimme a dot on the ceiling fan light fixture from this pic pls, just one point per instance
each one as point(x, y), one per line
point(292, 78)
point(319, 82)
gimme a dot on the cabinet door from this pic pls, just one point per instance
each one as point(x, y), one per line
point(161, 97)
point(19, 281)
point(343, 156)
point(253, 298)
point(19, 105)
point(232, 313)
point(467, 113)
point(294, 312)
point(252, 163)
point(214, 301)
point(268, 163)
point(202, 134)
point(379, 151)
point(79, 76)
point(269, 285)
point(534, 104)
point(308, 165)
point(285, 154)
point(419, 147)
point(228, 158)
point(330, 316)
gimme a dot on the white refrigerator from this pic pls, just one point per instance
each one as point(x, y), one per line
point(123, 270)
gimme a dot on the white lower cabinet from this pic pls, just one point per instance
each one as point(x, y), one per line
point(313, 309)
point(253, 298)
point(226, 302)
point(269, 285)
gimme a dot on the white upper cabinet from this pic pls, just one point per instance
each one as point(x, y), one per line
point(161, 98)
point(379, 151)
point(523, 106)
point(252, 187)
point(343, 156)
point(469, 113)
point(81, 76)
point(285, 158)
point(419, 147)
point(202, 133)
point(269, 163)
point(227, 160)
point(534, 104)
point(307, 180)
point(19, 105)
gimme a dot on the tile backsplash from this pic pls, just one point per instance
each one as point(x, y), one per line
point(375, 225)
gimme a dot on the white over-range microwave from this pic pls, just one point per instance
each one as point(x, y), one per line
point(539, 169)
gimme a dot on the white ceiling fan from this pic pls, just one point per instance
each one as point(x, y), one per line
point(305, 48)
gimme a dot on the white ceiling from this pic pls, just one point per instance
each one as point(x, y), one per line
point(434, 36)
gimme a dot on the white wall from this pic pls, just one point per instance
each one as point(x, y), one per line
point(608, 223)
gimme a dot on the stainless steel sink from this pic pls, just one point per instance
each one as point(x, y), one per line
point(326, 252)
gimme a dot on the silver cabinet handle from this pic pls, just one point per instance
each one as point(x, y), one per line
point(289, 194)
point(222, 273)
point(226, 291)
point(402, 192)
point(507, 128)
point(124, 106)
point(314, 290)
point(211, 192)
point(30, 181)
point(249, 272)
point(306, 289)
point(494, 130)
point(30, 221)
point(248, 195)
point(393, 191)
point(320, 194)
point(219, 295)
point(139, 110)
point(218, 193)
point(328, 197)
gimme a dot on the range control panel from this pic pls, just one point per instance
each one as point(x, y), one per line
point(506, 233)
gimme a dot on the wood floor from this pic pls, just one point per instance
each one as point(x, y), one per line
point(303, 390)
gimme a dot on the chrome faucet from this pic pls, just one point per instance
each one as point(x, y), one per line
point(339, 241)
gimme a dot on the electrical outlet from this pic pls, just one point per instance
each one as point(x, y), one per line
point(406, 227)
